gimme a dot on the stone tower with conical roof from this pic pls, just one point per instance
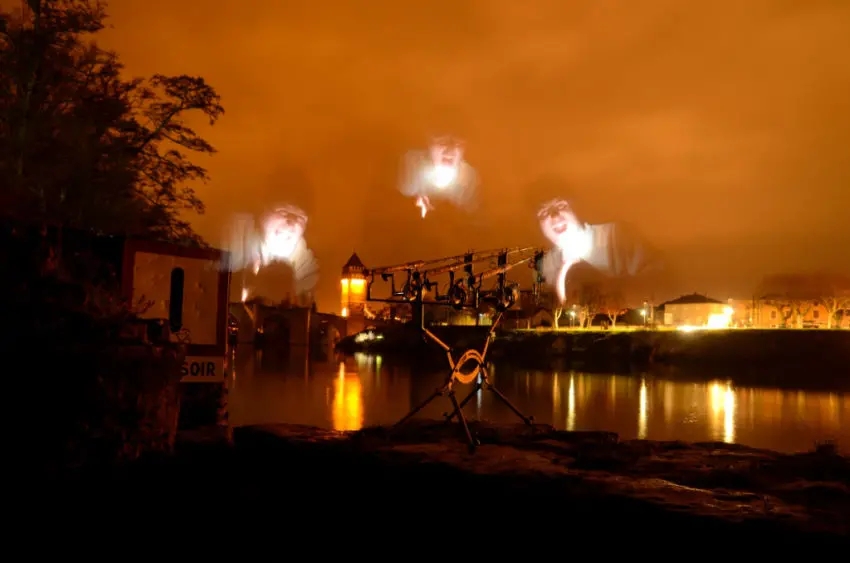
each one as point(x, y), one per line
point(353, 294)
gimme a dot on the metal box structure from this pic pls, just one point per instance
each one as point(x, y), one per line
point(187, 288)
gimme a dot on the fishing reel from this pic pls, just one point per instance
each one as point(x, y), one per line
point(413, 287)
point(416, 284)
point(457, 295)
point(507, 297)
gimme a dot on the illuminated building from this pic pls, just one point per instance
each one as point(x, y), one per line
point(697, 311)
point(353, 294)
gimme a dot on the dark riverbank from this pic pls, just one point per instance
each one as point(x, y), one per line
point(585, 485)
point(803, 358)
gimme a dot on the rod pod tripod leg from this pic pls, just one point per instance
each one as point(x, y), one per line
point(487, 386)
point(446, 390)
point(456, 374)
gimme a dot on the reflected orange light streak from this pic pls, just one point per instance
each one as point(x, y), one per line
point(722, 400)
point(347, 410)
point(556, 397)
point(642, 405)
point(571, 405)
point(729, 405)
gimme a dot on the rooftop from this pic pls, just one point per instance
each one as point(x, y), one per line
point(354, 263)
point(692, 299)
point(354, 268)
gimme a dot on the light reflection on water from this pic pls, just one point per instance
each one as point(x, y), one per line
point(347, 401)
point(362, 391)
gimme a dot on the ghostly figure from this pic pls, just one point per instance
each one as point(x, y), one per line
point(611, 249)
point(283, 233)
point(279, 239)
point(438, 174)
point(243, 243)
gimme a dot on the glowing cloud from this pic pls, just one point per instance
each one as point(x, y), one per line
point(440, 173)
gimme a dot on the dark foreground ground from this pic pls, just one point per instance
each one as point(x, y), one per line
point(564, 489)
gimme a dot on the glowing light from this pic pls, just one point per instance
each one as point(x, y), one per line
point(561, 286)
point(244, 294)
point(438, 173)
point(722, 400)
point(442, 175)
point(424, 205)
point(642, 408)
point(347, 410)
point(729, 415)
point(718, 321)
point(368, 336)
point(353, 296)
point(571, 405)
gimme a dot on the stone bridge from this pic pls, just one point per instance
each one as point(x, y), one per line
point(283, 328)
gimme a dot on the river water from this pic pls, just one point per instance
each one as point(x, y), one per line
point(351, 393)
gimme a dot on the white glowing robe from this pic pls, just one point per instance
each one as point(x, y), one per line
point(615, 251)
point(305, 268)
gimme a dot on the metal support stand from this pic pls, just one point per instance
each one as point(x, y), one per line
point(458, 376)
point(487, 386)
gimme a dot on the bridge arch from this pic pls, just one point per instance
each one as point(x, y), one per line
point(276, 328)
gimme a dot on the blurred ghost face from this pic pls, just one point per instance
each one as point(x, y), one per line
point(446, 158)
point(282, 231)
point(556, 218)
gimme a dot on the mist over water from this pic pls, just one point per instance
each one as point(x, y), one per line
point(365, 390)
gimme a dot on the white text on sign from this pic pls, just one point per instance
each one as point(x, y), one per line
point(203, 369)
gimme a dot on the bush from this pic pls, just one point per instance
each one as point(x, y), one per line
point(94, 396)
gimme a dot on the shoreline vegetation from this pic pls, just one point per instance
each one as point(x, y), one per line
point(588, 483)
point(124, 157)
point(105, 392)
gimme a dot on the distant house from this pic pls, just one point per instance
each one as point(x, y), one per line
point(696, 310)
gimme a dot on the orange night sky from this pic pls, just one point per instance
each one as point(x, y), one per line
point(720, 130)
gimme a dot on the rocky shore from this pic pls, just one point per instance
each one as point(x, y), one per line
point(578, 485)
